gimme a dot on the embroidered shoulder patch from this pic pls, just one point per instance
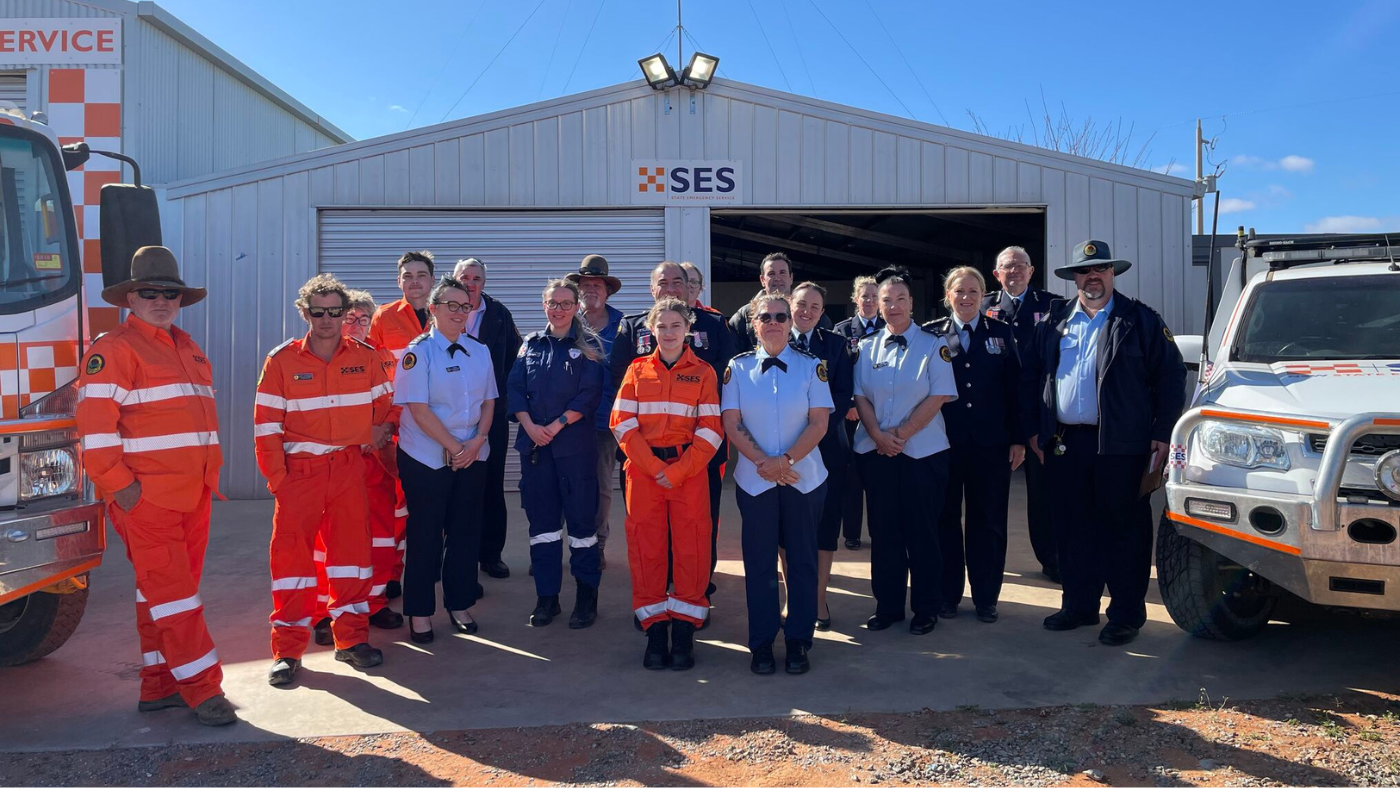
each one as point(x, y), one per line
point(95, 364)
point(1167, 332)
point(728, 372)
point(410, 361)
point(945, 354)
point(821, 371)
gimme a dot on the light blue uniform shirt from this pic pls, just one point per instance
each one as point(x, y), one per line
point(1077, 376)
point(897, 379)
point(453, 387)
point(773, 406)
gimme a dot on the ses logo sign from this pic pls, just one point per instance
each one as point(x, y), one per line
point(682, 181)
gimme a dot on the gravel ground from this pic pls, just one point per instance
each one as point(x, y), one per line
point(1334, 740)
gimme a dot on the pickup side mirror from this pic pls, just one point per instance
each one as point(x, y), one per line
point(130, 220)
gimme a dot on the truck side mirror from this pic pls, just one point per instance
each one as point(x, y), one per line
point(130, 220)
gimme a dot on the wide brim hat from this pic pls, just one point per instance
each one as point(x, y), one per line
point(153, 267)
point(595, 265)
point(1091, 253)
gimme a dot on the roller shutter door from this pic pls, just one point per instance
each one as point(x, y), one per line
point(13, 89)
point(521, 249)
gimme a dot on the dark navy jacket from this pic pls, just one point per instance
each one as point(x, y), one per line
point(741, 328)
point(1142, 379)
point(988, 371)
point(847, 329)
point(549, 377)
point(1035, 304)
point(840, 377)
point(499, 334)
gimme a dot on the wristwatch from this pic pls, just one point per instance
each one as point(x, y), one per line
point(788, 457)
point(563, 420)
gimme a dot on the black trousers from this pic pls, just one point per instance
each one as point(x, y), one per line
point(443, 534)
point(1038, 514)
point(853, 501)
point(782, 517)
point(1102, 525)
point(979, 477)
point(493, 507)
point(905, 497)
point(836, 460)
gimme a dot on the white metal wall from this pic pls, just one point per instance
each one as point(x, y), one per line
point(251, 233)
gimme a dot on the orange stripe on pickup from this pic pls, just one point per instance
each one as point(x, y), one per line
point(48, 581)
point(1287, 422)
point(1387, 422)
point(1223, 531)
point(38, 425)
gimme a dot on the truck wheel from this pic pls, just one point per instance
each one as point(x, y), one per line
point(35, 626)
point(1206, 593)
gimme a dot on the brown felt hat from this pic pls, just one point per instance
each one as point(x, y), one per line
point(153, 267)
point(596, 265)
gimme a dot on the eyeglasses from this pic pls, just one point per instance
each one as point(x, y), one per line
point(1098, 269)
point(151, 294)
point(319, 312)
point(455, 306)
point(560, 305)
point(1013, 267)
point(351, 320)
point(773, 317)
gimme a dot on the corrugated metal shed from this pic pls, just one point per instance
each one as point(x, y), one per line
point(251, 234)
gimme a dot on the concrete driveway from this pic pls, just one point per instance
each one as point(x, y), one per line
point(84, 696)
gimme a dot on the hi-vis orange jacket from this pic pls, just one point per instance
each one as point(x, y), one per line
point(658, 407)
point(309, 407)
point(393, 326)
point(146, 413)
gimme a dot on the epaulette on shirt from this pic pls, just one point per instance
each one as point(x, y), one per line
point(929, 328)
point(937, 324)
point(417, 339)
point(748, 353)
point(799, 351)
point(871, 335)
point(280, 348)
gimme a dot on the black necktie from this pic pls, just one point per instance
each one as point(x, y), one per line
point(801, 342)
point(896, 340)
point(773, 361)
point(1015, 305)
point(453, 348)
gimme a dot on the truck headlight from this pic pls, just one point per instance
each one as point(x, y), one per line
point(1243, 446)
point(47, 472)
point(1388, 474)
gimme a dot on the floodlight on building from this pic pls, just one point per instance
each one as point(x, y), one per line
point(658, 72)
point(700, 71)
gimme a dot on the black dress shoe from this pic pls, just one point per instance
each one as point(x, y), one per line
point(393, 589)
point(1117, 634)
point(852, 544)
point(824, 624)
point(386, 619)
point(987, 614)
point(878, 622)
point(1064, 621)
point(322, 632)
point(796, 661)
point(763, 662)
point(922, 625)
point(465, 627)
point(496, 569)
point(1052, 573)
point(946, 610)
point(419, 637)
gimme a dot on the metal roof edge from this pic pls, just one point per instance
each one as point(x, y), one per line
point(425, 135)
point(169, 24)
point(737, 89)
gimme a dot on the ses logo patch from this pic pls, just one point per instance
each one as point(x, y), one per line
point(680, 181)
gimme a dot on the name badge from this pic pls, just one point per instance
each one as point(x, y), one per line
point(454, 369)
point(303, 375)
point(881, 365)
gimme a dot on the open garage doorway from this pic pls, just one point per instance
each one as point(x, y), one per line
point(834, 247)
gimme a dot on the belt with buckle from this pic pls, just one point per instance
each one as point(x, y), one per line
point(669, 452)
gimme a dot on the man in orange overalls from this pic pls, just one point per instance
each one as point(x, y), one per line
point(320, 400)
point(666, 419)
point(150, 444)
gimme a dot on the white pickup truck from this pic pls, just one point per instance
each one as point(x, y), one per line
point(1284, 475)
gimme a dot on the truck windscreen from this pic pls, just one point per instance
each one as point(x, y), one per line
point(1347, 318)
point(36, 261)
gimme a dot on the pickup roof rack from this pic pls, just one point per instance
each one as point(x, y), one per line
point(1284, 253)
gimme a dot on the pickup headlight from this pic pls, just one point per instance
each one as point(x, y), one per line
point(47, 472)
point(1243, 446)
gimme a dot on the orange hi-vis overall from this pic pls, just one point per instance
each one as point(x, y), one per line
point(311, 420)
point(391, 328)
point(146, 414)
point(667, 420)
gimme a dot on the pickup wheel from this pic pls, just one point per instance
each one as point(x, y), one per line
point(35, 626)
point(1206, 593)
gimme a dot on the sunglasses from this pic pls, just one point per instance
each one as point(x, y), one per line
point(150, 294)
point(1097, 269)
point(455, 306)
point(772, 317)
point(321, 311)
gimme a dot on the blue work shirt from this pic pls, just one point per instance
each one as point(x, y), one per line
point(773, 406)
point(452, 385)
point(896, 379)
point(551, 376)
point(605, 403)
point(1077, 375)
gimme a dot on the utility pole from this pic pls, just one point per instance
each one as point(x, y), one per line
point(1200, 177)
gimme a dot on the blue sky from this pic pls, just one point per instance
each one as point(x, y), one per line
point(1302, 97)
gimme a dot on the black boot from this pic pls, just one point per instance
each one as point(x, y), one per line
point(658, 653)
point(682, 645)
point(322, 632)
point(546, 608)
point(585, 607)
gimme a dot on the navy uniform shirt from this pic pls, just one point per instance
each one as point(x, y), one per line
point(897, 377)
point(856, 328)
point(452, 382)
point(549, 377)
point(1034, 306)
point(987, 369)
point(840, 369)
point(773, 405)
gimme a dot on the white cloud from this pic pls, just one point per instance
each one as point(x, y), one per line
point(1235, 205)
point(1279, 192)
point(1289, 163)
point(397, 108)
point(1172, 168)
point(1343, 224)
point(1245, 160)
point(1295, 164)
